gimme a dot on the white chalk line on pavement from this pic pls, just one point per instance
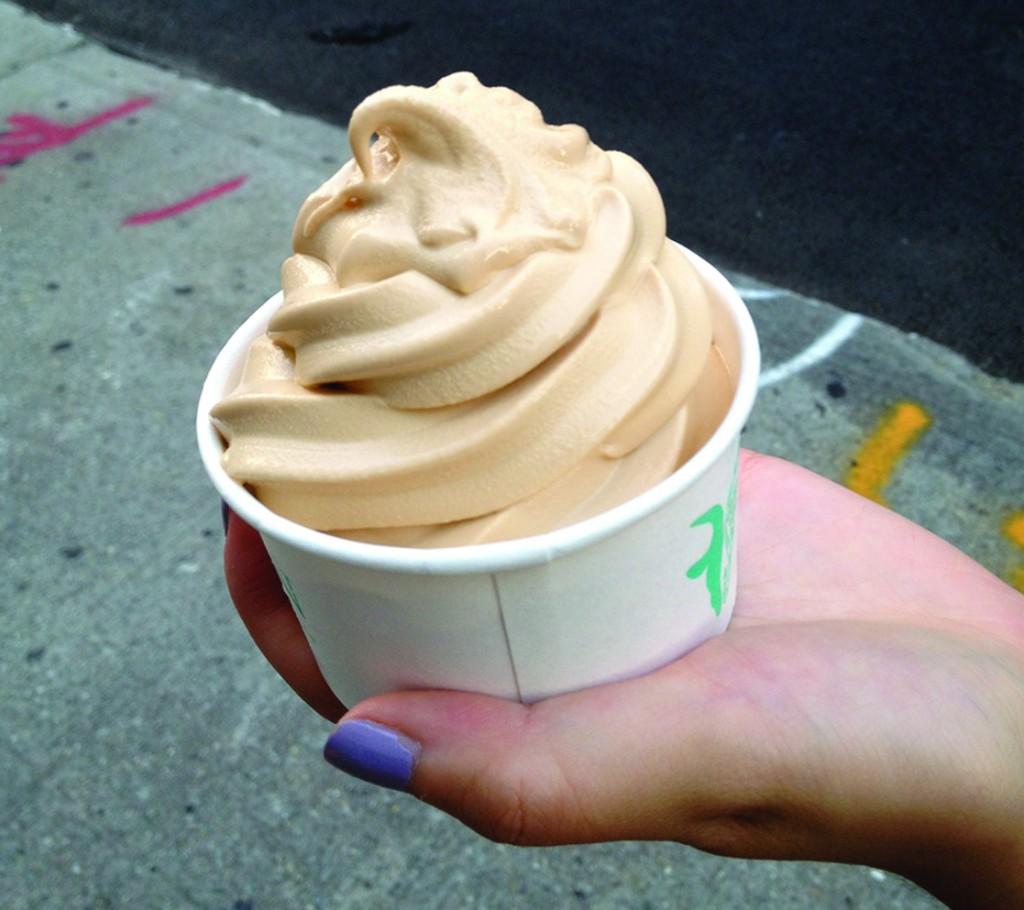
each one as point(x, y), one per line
point(759, 293)
point(824, 346)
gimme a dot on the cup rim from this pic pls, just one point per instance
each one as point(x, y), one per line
point(484, 557)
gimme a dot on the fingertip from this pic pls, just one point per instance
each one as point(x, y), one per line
point(373, 752)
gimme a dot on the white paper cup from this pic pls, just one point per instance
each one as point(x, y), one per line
point(611, 597)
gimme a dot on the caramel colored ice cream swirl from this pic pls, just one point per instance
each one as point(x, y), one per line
point(484, 335)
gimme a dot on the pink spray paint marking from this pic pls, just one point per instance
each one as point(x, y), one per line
point(169, 211)
point(32, 135)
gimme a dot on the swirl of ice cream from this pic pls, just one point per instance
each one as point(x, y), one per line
point(484, 335)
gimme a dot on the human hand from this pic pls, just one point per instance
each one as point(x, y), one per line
point(866, 705)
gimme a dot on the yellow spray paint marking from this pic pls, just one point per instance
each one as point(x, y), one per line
point(1013, 528)
point(897, 432)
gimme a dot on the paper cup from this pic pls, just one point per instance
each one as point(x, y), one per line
point(611, 597)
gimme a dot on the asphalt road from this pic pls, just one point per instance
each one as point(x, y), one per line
point(862, 153)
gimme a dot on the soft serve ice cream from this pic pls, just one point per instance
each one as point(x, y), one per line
point(485, 333)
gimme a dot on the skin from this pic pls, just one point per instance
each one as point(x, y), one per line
point(865, 706)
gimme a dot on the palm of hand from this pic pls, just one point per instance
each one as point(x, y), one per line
point(871, 672)
point(869, 689)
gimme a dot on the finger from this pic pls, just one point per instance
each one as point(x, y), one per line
point(261, 602)
point(652, 758)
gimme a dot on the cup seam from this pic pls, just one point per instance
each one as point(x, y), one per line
point(505, 635)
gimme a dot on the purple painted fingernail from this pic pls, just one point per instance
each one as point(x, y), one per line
point(373, 752)
point(225, 515)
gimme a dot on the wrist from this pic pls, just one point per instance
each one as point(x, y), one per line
point(987, 877)
point(973, 858)
point(961, 836)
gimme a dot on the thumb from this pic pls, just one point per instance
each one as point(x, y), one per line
point(641, 759)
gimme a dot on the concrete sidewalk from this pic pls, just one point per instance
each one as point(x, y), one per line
point(148, 755)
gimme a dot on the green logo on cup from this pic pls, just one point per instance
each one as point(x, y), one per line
point(716, 563)
point(293, 598)
point(286, 583)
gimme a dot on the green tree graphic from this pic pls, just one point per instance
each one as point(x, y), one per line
point(710, 564)
point(716, 563)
